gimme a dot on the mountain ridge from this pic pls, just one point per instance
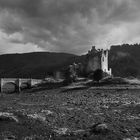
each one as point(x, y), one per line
point(123, 59)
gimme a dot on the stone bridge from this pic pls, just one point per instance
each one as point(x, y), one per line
point(18, 82)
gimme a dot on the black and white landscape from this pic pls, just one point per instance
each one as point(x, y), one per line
point(69, 70)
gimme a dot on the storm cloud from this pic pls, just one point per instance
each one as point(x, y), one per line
point(71, 26)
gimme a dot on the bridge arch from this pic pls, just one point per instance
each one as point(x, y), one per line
point(9, 87)
point(25, 85)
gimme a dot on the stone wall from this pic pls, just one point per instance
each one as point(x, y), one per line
point(93, 64)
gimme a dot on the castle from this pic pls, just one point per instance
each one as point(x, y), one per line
point(97, 59)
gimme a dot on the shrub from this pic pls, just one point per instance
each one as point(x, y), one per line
point(70, 75)
point(98, 75)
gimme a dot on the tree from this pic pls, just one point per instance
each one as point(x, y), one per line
point(131, 71)
point(98, 75)
point(70, 74)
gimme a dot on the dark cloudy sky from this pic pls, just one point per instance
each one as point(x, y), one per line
point(71, 26)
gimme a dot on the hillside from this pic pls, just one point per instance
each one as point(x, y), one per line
point(125, 60)
point(35, 65)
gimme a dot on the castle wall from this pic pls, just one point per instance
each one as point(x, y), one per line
point(104, 62)
point(93, 64)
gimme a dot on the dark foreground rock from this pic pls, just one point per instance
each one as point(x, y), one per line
point(100, 129)
point(18, 126)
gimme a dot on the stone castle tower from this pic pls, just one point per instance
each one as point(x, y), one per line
point(97, 59)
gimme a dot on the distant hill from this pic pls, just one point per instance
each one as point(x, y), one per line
point(35, 65)
point(123, 59)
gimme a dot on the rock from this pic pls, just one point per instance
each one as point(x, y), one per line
point(61, 131)
point(80, 131)
point(37, 116)
point(100, 128)
point(126, 139)
point(134, 138)
point(32, 137)
point(5, 116)
point(10, 138)
point(47, 112)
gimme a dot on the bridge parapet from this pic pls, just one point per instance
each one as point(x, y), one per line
point(18, 82)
